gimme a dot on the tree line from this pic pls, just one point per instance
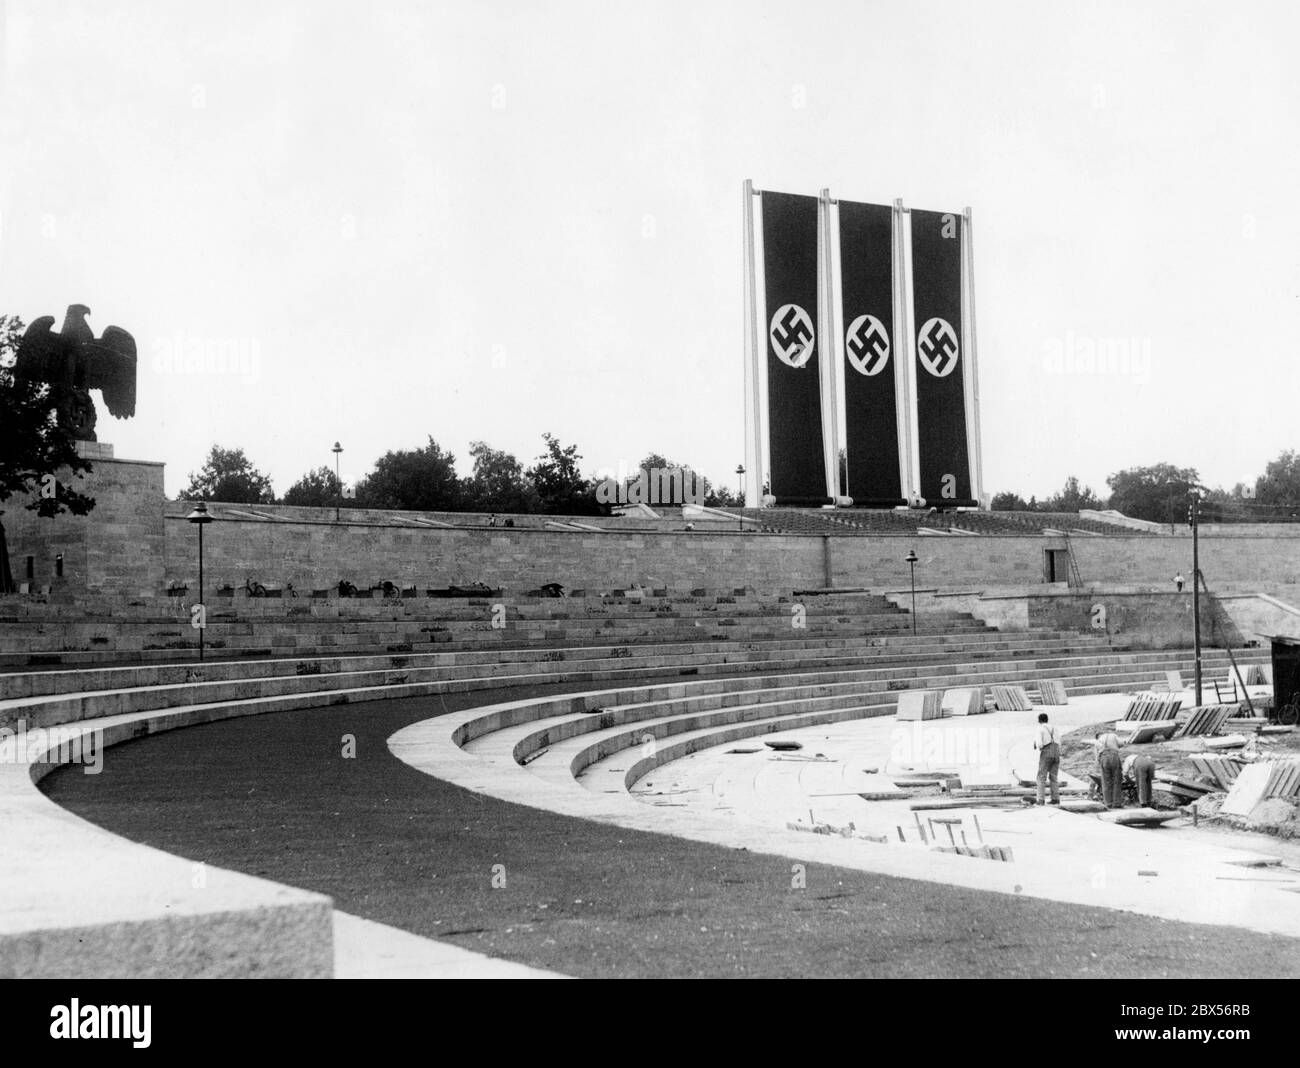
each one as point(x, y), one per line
point(1162, 493)
point(426, 480)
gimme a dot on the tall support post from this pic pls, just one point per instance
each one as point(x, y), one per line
point(753, 402)
point(202, 601)
point(829, 348)
point(1194, 511)
point(972, 361)
point(904, 366)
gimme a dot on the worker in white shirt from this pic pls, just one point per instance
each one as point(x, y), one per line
point(1109, 769)
point(1047, 740)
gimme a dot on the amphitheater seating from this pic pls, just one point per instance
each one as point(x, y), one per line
point(159, 629)
point(850, 521)
point(688, 669)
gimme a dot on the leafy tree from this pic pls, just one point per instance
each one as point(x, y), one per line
point(422, 480)
point(1158, 493)
point(1072, 498)
point(498, 483)
point(722, 498)
point(1008, 502)
point(695, 488)
point(1279, 485)
point(320, 488)
point(228, 475)
point(1225, 506)
point(33, 447)
point(560, 488)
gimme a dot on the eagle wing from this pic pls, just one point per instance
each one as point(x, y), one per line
point(40, 354)
point(111, 370)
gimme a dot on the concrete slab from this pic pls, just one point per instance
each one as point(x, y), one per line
point(364, 949)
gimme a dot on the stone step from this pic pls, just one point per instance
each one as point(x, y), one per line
point(1120, 670)
point(738, 657)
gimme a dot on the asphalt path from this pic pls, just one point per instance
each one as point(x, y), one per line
point(275, 796)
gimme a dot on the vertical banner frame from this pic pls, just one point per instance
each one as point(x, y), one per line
point(903, 358)
point(975, 445)
point(828, 348)
point(753, 379)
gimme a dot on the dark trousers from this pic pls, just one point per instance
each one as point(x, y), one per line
point(1049, 766)
point(1144, 774)
point(1112, 778)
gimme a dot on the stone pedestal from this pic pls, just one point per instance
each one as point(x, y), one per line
point(117, 549)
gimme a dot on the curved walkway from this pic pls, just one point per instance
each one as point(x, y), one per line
point(275, 796)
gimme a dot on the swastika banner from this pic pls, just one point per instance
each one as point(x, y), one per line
point(794, 407)
point(870, 400)
point(943, 446)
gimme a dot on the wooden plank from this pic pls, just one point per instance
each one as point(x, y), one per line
point(937, 803)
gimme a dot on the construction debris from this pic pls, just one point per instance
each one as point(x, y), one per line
point(984, 852)
point(1206, 720)
point(1258, 674)
point(965, 701)
point(1196, 788)
point(1052, 692)
point(1010, 699)
point(1228, 741)
point(1137, 817)
point(920, 704)
point(784, 745)
point(1153, 706)
point(932, 804)
point(1139, 732)
point(1220, 770)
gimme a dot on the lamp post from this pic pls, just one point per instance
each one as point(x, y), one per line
point(740, 481)
point(200, 518)
point(338, 487)
point(911, 558)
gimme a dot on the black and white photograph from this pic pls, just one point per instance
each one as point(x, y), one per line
point(723, 490)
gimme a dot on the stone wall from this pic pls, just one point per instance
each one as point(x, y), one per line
point(118, 548)
point(135, 543)
point(1139, 620)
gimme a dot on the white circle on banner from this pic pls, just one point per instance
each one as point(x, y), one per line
point(792, 335)
point(866, 343)
point(937, 347)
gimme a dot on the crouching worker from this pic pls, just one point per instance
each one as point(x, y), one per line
point(1140, 770)
point(1047, 740)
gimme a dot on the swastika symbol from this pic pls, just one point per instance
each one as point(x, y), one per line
point(937, 347)
point(866, 342)
point(792, 335)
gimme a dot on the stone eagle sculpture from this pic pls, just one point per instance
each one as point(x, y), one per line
point(74, 362)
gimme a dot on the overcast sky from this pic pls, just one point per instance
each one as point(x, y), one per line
point(491, 220)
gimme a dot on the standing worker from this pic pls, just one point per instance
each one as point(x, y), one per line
point(1110, 769)
point(1047, 740)
point(1178, 581)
